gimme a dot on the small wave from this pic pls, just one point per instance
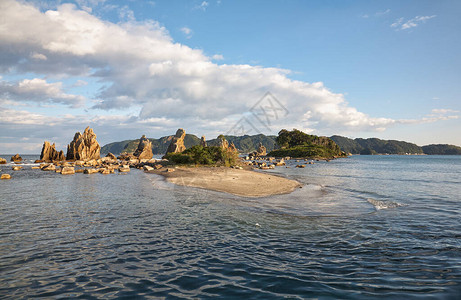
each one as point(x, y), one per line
point(379, 204)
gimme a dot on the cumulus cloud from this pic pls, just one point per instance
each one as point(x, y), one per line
point(171, 85)
point(38, 90)
point(401, 24)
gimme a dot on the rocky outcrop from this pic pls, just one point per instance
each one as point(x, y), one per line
point(222, 142)
point(144, 150)
point(232, 147)
point(84, 146)
point(203, 141)
point(111, 156)
point(49, 153)
point(177, 143)
point(261, 150)
point(16, 158)
point(2, 161)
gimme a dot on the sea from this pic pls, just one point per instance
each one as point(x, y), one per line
point(362, 227)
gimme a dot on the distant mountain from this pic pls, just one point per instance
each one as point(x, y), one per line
point(375, 146)
point(244, 143)
point(441, 149)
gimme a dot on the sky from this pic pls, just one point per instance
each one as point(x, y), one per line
point(386, 69)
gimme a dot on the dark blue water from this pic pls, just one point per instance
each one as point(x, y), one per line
point(364, 227)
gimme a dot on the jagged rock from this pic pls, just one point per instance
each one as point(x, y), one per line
point(203, 141)
point(84, 146)
point(16, 168)
point(5, 176)
point(144, 150)
point(16, 158)
point(111, 156)
point(223, 143)
point(49, 153)
point(67, 170)
point(177, 142)
point(2, 161)
point(261, 150)
point(300, 166)
point(232, 147)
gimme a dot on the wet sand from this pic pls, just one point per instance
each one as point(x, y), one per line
point(244, 183)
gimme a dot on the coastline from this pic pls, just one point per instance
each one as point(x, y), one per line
point(238, 182)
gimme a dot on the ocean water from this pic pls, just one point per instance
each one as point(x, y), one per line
point(364, 227)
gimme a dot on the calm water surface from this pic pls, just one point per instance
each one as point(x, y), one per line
point(362, 227)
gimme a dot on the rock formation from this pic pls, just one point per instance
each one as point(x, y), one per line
point(261, 150)
point(2, 161)
point(49, 153)
point(203, 141)
point(223, 143)
point(5, 176)
point(16, 158)
point(232, 147)
point(111, 156)
point(84, 146)
point(177, 143)
point(144, 150)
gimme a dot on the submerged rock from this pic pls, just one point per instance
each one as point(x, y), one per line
point(5, 176)
point(144, 150)
point(177, 143)
point(49, 153)
point(16, 158)
point(16, 168)
point(2, 161)
point(84, 146)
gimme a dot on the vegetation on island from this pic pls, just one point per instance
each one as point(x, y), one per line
point(441, 149)
point(375, 146)
point(296, 143)
point(199, 155)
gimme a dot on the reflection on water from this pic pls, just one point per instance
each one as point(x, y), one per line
point(136, 235)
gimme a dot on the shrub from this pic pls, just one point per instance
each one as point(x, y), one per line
point(199, 155)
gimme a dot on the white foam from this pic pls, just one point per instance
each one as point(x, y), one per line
point(379, 204)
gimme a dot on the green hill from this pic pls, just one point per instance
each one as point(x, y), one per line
point(442, 149)
point(375, 146)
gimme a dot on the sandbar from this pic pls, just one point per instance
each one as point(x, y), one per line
point(238, 182)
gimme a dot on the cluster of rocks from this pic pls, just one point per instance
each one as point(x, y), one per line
point(83, 156)
point(260, 152)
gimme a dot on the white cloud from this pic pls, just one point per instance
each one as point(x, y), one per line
point(217, 57)
point(187, 31)
point(38, 56)
point(203, 6)
point(38, 90)
point(401, 24)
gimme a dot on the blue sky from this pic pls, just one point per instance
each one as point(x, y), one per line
point(387, 69)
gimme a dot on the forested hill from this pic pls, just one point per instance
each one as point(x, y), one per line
point(378, 146)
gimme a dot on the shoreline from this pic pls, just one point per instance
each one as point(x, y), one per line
point(238, 182)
